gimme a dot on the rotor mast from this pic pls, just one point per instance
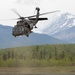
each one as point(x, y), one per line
point(37, 16)
point(38, 9)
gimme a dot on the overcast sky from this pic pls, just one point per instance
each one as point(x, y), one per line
point(27, 7)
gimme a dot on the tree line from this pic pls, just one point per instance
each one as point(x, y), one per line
point(47, 54)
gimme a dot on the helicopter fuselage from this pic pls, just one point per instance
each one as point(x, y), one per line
point(23, 27)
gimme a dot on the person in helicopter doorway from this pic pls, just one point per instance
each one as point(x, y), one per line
point(29, 26)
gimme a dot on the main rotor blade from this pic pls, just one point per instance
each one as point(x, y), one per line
point(42, 14)
point(15, 11)
point(49, 12)
point(9, 19)
point(28, 16)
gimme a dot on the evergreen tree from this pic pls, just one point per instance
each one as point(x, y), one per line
point(50, 56)
point(44, 54)
point(9, 54)
point(33, 54)
point(62, 55)
point(37, 52)
point(4, 57)
point(55, 53)
point(41, 55)
point(12, 54)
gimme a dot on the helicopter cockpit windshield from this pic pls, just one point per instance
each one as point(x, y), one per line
point(18, 30)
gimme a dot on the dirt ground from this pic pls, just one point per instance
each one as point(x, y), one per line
point(38, 70)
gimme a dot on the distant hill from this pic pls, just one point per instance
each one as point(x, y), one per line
point(68, 35)
point(7, 40)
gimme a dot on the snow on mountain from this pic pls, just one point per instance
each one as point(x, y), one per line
point(62, 27)
point(63, 22)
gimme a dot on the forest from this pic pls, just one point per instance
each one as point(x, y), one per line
point(38, 56)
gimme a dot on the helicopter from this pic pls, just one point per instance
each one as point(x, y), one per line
point(25, 24)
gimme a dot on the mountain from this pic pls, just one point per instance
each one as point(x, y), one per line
point(7, 40)
point(62, 27)
point(68, 34)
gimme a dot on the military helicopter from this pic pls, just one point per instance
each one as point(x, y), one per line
point(25, 24)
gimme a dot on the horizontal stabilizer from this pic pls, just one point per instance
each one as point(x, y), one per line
point(38, 19)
